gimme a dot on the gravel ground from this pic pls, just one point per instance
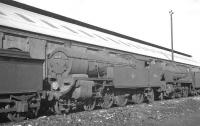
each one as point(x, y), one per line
point(178, 112)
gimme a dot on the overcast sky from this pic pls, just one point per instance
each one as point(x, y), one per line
point(148, 20)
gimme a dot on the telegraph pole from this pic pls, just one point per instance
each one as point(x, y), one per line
point(171, 19)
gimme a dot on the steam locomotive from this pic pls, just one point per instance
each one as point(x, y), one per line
point(89, 80)
point(54, 64)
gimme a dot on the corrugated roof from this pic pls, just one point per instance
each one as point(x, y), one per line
point(72, 21)
point(26, 20)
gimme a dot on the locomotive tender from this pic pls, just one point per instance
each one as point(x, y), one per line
point(84, 65)
point(21, 83)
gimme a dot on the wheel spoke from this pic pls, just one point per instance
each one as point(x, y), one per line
point(121, 100)
point(16, 117)
point(185, 92)
point(107, 99)
point(89, 104)
point(161, 96)
point(150, 95)
point(61, 107)
point(138, 98)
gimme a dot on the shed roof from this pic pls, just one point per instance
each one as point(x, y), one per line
point(20, 16)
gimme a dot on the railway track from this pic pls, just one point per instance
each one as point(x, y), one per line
point(173, 112)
